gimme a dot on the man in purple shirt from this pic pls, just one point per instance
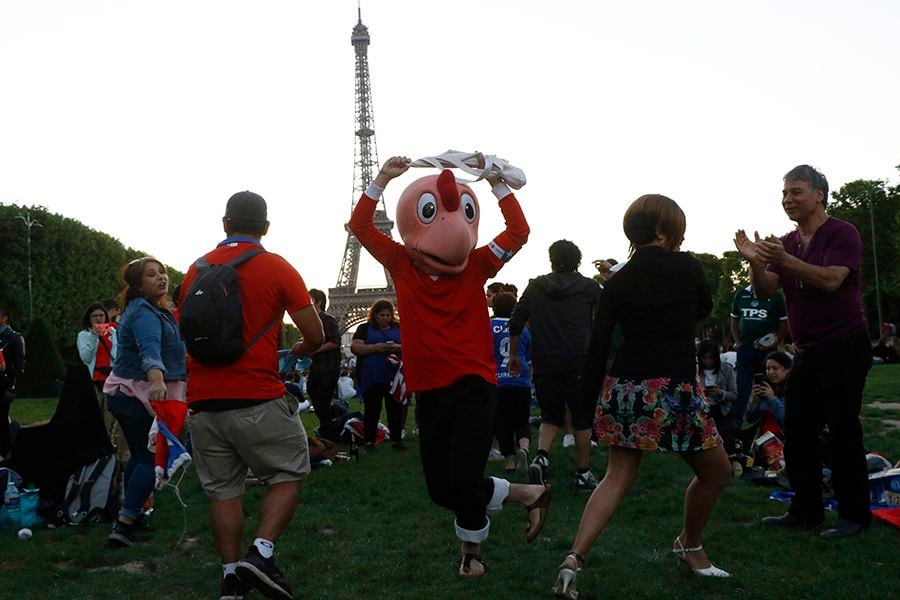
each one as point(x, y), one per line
point(817, 266)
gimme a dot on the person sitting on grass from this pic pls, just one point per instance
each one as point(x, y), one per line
point(719, 384)
point(888, 348)
point(766, 405)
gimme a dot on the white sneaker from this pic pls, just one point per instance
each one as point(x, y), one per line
point(495, 455)
point(568, 440)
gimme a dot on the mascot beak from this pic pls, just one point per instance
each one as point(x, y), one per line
point(448, 190)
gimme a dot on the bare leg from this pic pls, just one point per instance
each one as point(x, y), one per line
point(526, 495)
point(226, 517)
point(583, 448)
point(546, 435)
point(476, 567)
point(277, 509)
point(712, 472)
point(621, 472)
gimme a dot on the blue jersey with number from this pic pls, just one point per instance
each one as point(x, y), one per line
point(500, 329)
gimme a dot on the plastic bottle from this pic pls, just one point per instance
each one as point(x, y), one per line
point(354, 448)
point(13, 504)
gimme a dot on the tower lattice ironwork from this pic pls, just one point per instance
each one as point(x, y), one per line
point(348, 303)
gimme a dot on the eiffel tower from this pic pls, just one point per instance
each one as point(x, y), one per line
point(347, 303)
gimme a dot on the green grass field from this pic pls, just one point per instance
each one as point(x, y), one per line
point(368, 530)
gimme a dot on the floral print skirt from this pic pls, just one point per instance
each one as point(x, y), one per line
point(662, 414)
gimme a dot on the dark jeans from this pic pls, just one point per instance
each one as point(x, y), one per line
point(454, 439)
point(135, 422)
point(513, 410)
point(749, 361)
point(825, 388)
point(320, 388)
point(372, 399)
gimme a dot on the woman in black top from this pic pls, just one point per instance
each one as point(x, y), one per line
point(650, 398)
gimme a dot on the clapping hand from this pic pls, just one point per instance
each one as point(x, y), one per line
point(748, 249)
point(771, 251)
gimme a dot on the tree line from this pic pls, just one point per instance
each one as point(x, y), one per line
point(73, 265)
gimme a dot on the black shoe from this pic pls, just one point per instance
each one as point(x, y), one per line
point(399, 446)
point(538, 470)
point(789, 520)
point(262, 574)
point(585, 481)
point(142, 523)
point(369, 447)
point(122, 535)
point(842, 529)
point(233, 588)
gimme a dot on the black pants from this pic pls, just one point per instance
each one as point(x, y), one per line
point(513, 410)
point(825, 388)
point(372, 399)
point(320, 388)
point(455, 438)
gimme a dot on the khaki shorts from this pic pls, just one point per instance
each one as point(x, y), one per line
point(268, 438)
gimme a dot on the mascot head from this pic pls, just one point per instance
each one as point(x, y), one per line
point(438, 221)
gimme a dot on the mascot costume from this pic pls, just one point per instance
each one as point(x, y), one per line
point(439, 276)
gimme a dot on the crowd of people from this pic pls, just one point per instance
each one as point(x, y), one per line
point(612, 359)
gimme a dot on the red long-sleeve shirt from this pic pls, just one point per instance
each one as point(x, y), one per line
point(446, 329)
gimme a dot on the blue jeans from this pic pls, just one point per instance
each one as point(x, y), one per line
point(139, 474)
point(749, 361)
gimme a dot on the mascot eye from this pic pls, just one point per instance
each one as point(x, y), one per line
point(426, 208)
point(468, 206)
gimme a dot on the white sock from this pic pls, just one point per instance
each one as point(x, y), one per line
point(228, 568)
point(265, 547)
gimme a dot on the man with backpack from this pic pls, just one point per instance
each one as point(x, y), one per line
point(240, 415)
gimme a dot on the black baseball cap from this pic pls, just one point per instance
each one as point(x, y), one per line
point(246, 206)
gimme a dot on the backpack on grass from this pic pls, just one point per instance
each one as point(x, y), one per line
point(211, 313)
point(94, 492)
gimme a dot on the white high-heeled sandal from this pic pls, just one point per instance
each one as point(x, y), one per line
point(711, 571)
point(565, 580)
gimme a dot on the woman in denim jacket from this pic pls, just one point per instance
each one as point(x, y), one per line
point(149, 365)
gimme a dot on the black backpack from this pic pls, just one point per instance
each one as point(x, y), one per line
point(211, 314)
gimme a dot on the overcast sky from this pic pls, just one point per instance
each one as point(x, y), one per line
point(140, 119)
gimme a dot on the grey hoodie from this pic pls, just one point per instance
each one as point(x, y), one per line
point(559, 308)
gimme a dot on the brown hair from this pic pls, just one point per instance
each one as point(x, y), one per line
point(379, 306)
point(654, 216)
point(131, 276)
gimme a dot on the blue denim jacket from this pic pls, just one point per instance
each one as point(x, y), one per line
point(148, 338)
